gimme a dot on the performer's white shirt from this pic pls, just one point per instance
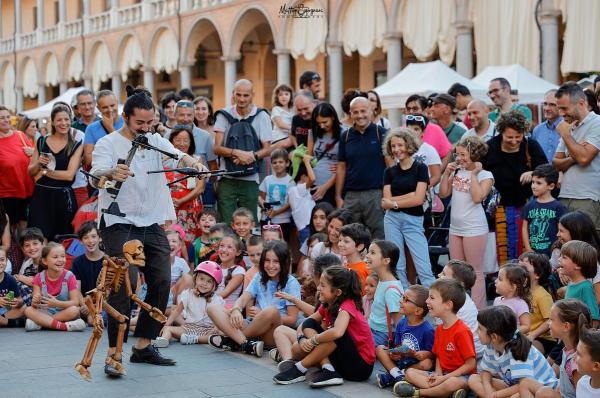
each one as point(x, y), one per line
point(144, 198)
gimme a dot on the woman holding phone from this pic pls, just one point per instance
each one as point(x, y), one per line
point(54, 163)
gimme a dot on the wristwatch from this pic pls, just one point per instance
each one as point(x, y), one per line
point(45, 172)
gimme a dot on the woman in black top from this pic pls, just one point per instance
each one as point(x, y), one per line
point(55, 162)
point(404, 188)
point(511, 158)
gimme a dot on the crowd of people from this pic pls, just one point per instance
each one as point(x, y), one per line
point(313, 243)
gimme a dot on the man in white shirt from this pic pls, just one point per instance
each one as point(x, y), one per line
point(146, 203)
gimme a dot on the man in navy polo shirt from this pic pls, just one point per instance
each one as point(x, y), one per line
point(359, 180)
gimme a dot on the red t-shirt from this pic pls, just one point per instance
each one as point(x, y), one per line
point(358, 329)
point(15, 181)
point(363, 272)
point(467, 122)
point(54, 286)
point(435, 136)
point(453, 346)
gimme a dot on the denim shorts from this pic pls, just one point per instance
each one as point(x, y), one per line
point(380, 338)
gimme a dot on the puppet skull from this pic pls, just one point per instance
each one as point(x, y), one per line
point(133, 251)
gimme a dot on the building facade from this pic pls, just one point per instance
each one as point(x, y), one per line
point(47, 46)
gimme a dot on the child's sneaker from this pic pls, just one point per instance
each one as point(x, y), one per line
point(160, 342)
point(386, 380)
point(462, 393)
point(326, 378)
point(188, 339)
point(285, 365)
point(223, 343)
point(290, 376)
point(275, 356)
point(253, 348)
point(31, 326)
point(405, 389)
point(76, 326)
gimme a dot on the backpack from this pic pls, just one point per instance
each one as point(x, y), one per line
point(241, 135)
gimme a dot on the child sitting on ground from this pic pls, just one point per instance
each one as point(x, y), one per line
point(588, 363)
point(202, 245)
point(11, 302)
point(413, 339)
point(513, 286)
point(55, 300)
point(254, 246)
point(230, 258)
point(179, 267)
point(578, 261)
point(369, 296)
point(453, 348)
point(355, 238)
point(192, 304)
point(31, 241)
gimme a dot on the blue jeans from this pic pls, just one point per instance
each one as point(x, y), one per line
point(380, 338)
point(399, 228)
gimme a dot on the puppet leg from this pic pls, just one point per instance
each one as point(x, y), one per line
point(82, 367)
point(115, 360)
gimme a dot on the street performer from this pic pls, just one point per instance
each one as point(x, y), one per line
point(143, 203)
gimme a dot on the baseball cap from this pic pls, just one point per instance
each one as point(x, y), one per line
point(308, 76)
point(446, 99)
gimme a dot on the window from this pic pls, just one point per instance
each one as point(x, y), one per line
point(56, 13)
point(35, 20)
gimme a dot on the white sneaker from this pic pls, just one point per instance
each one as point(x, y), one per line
point(76, 326)
point(31, 326)
point(188, 339)
point(160, 342)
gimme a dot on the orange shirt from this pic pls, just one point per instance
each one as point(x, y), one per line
point(363, 272)
point(249, 275)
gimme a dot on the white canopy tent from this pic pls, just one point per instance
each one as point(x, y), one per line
point(43, 112)
point(424, 79)
point(531, 87)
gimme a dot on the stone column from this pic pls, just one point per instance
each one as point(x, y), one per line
point(18, 29)
point(335, 76)
point(40, 21)
point(19, 99)
point(85, 16)
point(549, 26)
point(116, 85)
point(62, 18)
point(146, 10)
point(87, 81)
point(41, 94)
point(114, 13)
point(149, 79)
point(394, 66)
point(62, 86)
point(283, 66)
point(230, 75)
point(185, 75)
point(464, 48)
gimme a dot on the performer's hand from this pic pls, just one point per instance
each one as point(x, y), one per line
point(121, 172)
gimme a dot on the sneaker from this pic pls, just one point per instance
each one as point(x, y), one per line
point(222, 343)
point(386, 380)
point(111, 370)
point(462, 393)
point(405, 389)
point(151, 355)
point(290, 376)
point(76, 326)
point(188, 339)
point(285, 365)
point(275, 356)
point(31, 326)
point(160, 342)
point(253, 348)
point(326, 378)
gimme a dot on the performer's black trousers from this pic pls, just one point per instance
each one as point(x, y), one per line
point(157, 274)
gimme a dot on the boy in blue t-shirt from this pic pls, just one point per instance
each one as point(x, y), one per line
point(413, 339)
point(11, 302)
point(541, 214)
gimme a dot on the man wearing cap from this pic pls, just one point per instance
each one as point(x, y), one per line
point(499, 93)
point(311, 81)
point(184, 116)
point(442, 111)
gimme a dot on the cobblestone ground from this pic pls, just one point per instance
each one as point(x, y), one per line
point(40, 364)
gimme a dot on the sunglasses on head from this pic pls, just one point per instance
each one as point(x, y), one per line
point(271, 227)
point(185, 104)
point(416, 118)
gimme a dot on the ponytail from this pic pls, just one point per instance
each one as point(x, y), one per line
point(519, 346)
point(348, 282)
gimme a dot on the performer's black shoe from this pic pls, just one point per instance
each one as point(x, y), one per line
point(150, 355)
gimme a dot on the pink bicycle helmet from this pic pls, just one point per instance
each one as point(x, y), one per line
point(211, 268)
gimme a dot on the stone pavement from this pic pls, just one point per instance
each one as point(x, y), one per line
point(40, 364)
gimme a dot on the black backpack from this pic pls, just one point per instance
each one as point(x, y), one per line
point(241, 135)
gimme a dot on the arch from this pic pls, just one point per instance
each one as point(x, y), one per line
point(99, 63)
point(129, 54)
point(27, 77)
point(73, 64)
point(51, 71)
point(7, 82)
point(242, 25)
point(192, 42)
point(167, 58)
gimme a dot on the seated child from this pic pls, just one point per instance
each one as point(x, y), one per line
point(354, 239)
point(31, 241)
point(215, 234)
point(11, 302)
point(192, 304)
point(55, 300)
point(588, 363)
point(254, 247)
point(453, 347)
point(465, 274)
point(242, 223)
point(539, 270)
point(513, 286)
point(230, 258)
point(413, 339)
point(179, 267)
point(337, 337)
point(270, 312)
point(510, 363)
point(202, 245)
point(369, 296)
point(271, 232)
point(304, 265)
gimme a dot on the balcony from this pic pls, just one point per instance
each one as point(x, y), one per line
point(99, 22)
point(164, 8)
point(7, 45)
point(130, 15)
point(73, 29)
point(50, 35)
point(28, 40)
point(199, 4)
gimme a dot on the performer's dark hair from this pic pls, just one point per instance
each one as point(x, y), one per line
point(137, 98)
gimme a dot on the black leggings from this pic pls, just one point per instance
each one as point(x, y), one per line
point(345, 358)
